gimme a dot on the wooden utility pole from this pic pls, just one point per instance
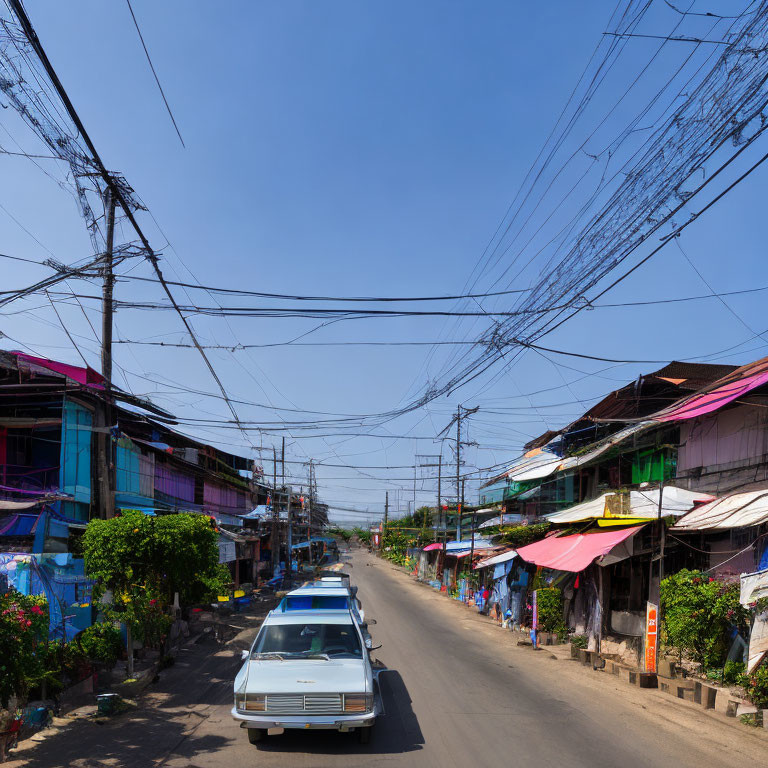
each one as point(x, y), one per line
point(104, 461)
point(386, 514)
point(275, 530)
point(289, 556)
point(458, 470)
point(309, 500)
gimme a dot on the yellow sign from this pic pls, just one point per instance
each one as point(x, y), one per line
point(239, 593)
point(223, 598)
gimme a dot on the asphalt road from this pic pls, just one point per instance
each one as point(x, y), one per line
point(457, 692)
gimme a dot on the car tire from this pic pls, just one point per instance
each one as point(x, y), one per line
point(256, 735)
point(364, 734)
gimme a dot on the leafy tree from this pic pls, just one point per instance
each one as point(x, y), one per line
point(144, 560)
point(137, 556)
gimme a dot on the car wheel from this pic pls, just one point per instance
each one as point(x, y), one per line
point(364, 734)
point(255, 735)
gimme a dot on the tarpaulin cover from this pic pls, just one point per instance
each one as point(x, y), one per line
point(16, 505)
point(758, 641)
point(738, 510)
point(496, 559)
point(18, 525)
point(754, 586)
point(85, 376)
point(502, 519)
point(643, 503)
point(432, 547)
point(467, 544)
point(722, 392)
point(574, 553)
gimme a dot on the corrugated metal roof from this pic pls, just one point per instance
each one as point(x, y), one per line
point(739, 510)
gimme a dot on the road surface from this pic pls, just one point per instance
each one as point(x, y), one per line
point(457, 691)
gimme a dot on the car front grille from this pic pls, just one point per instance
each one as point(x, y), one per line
point(298, 704)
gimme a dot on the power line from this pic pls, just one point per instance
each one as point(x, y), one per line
point(154, 73)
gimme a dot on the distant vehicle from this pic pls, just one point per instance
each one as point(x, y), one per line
point(327, 596)
point(308, 670)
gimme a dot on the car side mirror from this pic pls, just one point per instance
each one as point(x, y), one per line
point(364, 625)
point(369, 643)
point(244, 655)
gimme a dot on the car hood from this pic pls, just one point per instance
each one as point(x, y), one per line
point(306, 676)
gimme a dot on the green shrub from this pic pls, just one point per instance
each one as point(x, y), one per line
point(550, 606)
point(579, 641)
point(520, 535)
point(101, 642)
point(734, 673)
point(757, 687)
point(697, 615)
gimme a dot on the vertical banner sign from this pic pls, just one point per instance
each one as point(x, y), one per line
point(651, 636)
point(535, 622)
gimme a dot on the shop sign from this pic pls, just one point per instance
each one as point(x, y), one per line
point(651, 636)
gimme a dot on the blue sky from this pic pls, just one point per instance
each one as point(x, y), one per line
point(348, 148)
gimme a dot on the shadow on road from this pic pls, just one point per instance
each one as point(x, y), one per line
point(137, 742)
point(395, 732)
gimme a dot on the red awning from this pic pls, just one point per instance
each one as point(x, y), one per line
point(574, 553)
point(431, 547)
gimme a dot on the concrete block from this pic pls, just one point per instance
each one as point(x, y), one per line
point(745, 708)
point(704, 694)
point(725, 703)
point(575, 652)
point(667, 668)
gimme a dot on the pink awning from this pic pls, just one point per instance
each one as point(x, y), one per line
point(726, 390)
point(574, 553)
point(85, 376)
point(432, 547)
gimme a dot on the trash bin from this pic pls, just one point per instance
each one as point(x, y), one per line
point(107, 703)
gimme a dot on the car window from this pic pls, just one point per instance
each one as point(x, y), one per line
point(314, 603)
point(307, 639)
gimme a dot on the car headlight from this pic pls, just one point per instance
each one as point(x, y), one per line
point(358, 702)
point(250, 702)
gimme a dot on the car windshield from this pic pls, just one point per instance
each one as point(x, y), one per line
point(309, 640)
point(314, 603)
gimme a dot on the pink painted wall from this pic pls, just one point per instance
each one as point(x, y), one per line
point(733, 435)
point(174, 483)
point(223, 498)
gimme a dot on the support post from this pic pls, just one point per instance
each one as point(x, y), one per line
point(275, 542)
point(104, 459)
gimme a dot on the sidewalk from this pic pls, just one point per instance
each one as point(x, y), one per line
point(156, 722)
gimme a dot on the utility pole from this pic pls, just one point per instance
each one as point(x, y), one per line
point(104, 439)
point(275, 523)
point(386, 513)
point(439, 517)
point(309, 511)
point(289, 556)
point(282, 463)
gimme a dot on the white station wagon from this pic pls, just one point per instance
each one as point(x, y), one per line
point(306, 669)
